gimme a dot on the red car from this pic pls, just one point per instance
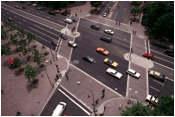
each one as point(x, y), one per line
point(102, 51)
point(148, 55)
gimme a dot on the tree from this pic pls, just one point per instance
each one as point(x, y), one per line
point(22, 43)
point(38, 57)
point(165, 106)
point(95, 3)
point(4, 35)
point(30, 72)
point(135, 11)
point(17, 63)
point(30, 37)
point(154, 12)
point(136, 3)
point(5, 50)
point(164, 26)
point(137, 109)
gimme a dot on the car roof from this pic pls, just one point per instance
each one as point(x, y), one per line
point(131, 70)
point(157, 73)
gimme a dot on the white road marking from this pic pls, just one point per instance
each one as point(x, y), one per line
point(149, 47)
point(158, 82)
point(20, 22)
point(163, 65)
point(163, 59)
point(145, 46)
point(106, 25)
point(33, 20)
point(32, 15)
point(147, 82)
point(162, 54)
point(45, 30)
point(154, 88)
point(74, 102)
point(97, 80)
point(24, 20)
point(48, 17)
point(41, 33)
point(115, 15)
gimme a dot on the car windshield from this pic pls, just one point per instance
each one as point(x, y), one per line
point(110, 61)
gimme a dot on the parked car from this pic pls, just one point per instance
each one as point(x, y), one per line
point(110, 62)
point(133, 73)
point(114, 73)
point(109, 31)
point(10, 19)
point(34, 5)
point(59, 109)
point(24, 7)
point(72, 44)
point(148, 55)
point(54, 42)
point(152, 99)
point(107, 39)
point(157, 75)
point(52, 13)
point(95, 27)
point(74, 19)
point(64, 13)
point(69, 21)
point(16, 6)
point(88, 58)
point(105, 14)
point(63, 36)
point(102, 51)
point(169, 53)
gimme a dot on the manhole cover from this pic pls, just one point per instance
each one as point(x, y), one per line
point(76, 61)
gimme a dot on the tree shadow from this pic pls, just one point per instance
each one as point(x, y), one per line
point(31, 86)
point(17, 73)
point(77, 4)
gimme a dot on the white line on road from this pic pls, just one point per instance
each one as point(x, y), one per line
point(33, 16)
point(158, 82)
point(41, 33)
point(162, 54)
point(97, 81)
point(24, 20)
point(20, 22)
point(115, 15)
point(154, 88)
point(145, 46)
point(147, 82)
point(74, 102)
point(48, 17)
point(45, 30)
point(163, 65)
point(163, 59)
point(149, 47)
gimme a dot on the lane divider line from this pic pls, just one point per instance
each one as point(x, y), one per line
point(154, 88)
point(158, 82)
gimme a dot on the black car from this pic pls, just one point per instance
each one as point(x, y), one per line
point(23, 7)
point(52, 13)
point(95, 27)
point(10, 19)
point(63, 36)
point(169, 53)
point(107, 39)
point(88, 58)
point(64, 13)
point(54, 42)
point(74, 19)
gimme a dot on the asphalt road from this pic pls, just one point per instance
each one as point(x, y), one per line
point(88, 42)
point(72, 108)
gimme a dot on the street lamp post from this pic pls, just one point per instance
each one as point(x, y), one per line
point(78, 83)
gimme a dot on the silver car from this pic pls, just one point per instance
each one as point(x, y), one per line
point(133, 73)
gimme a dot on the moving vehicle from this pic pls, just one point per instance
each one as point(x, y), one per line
point(52, 13)
point(10, 19)
point(133, 73)
point(157, 75)
point(59, 109)
point(54, 42)
point(109, 31)
point(16, 6)
point(102, 51)
point(72, 44)
point(110, 62)
point(114, 73)
point(148, 55)
point(169, 53)
point(69, 21)
point(88, 58)
point(107, 39)
point(95, 27)
point(63, 36)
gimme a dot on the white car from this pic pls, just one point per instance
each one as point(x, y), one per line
point(72, 44)
point(114, 73)
point(133, 73)
point(109, 32)
point(105, 14)
point(152, 98)
point(59, 109)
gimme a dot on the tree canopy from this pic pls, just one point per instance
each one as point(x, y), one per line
point(95, 3)
point(38, 57)
point(5, 50)
point(135, 11)
point(30, 72)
